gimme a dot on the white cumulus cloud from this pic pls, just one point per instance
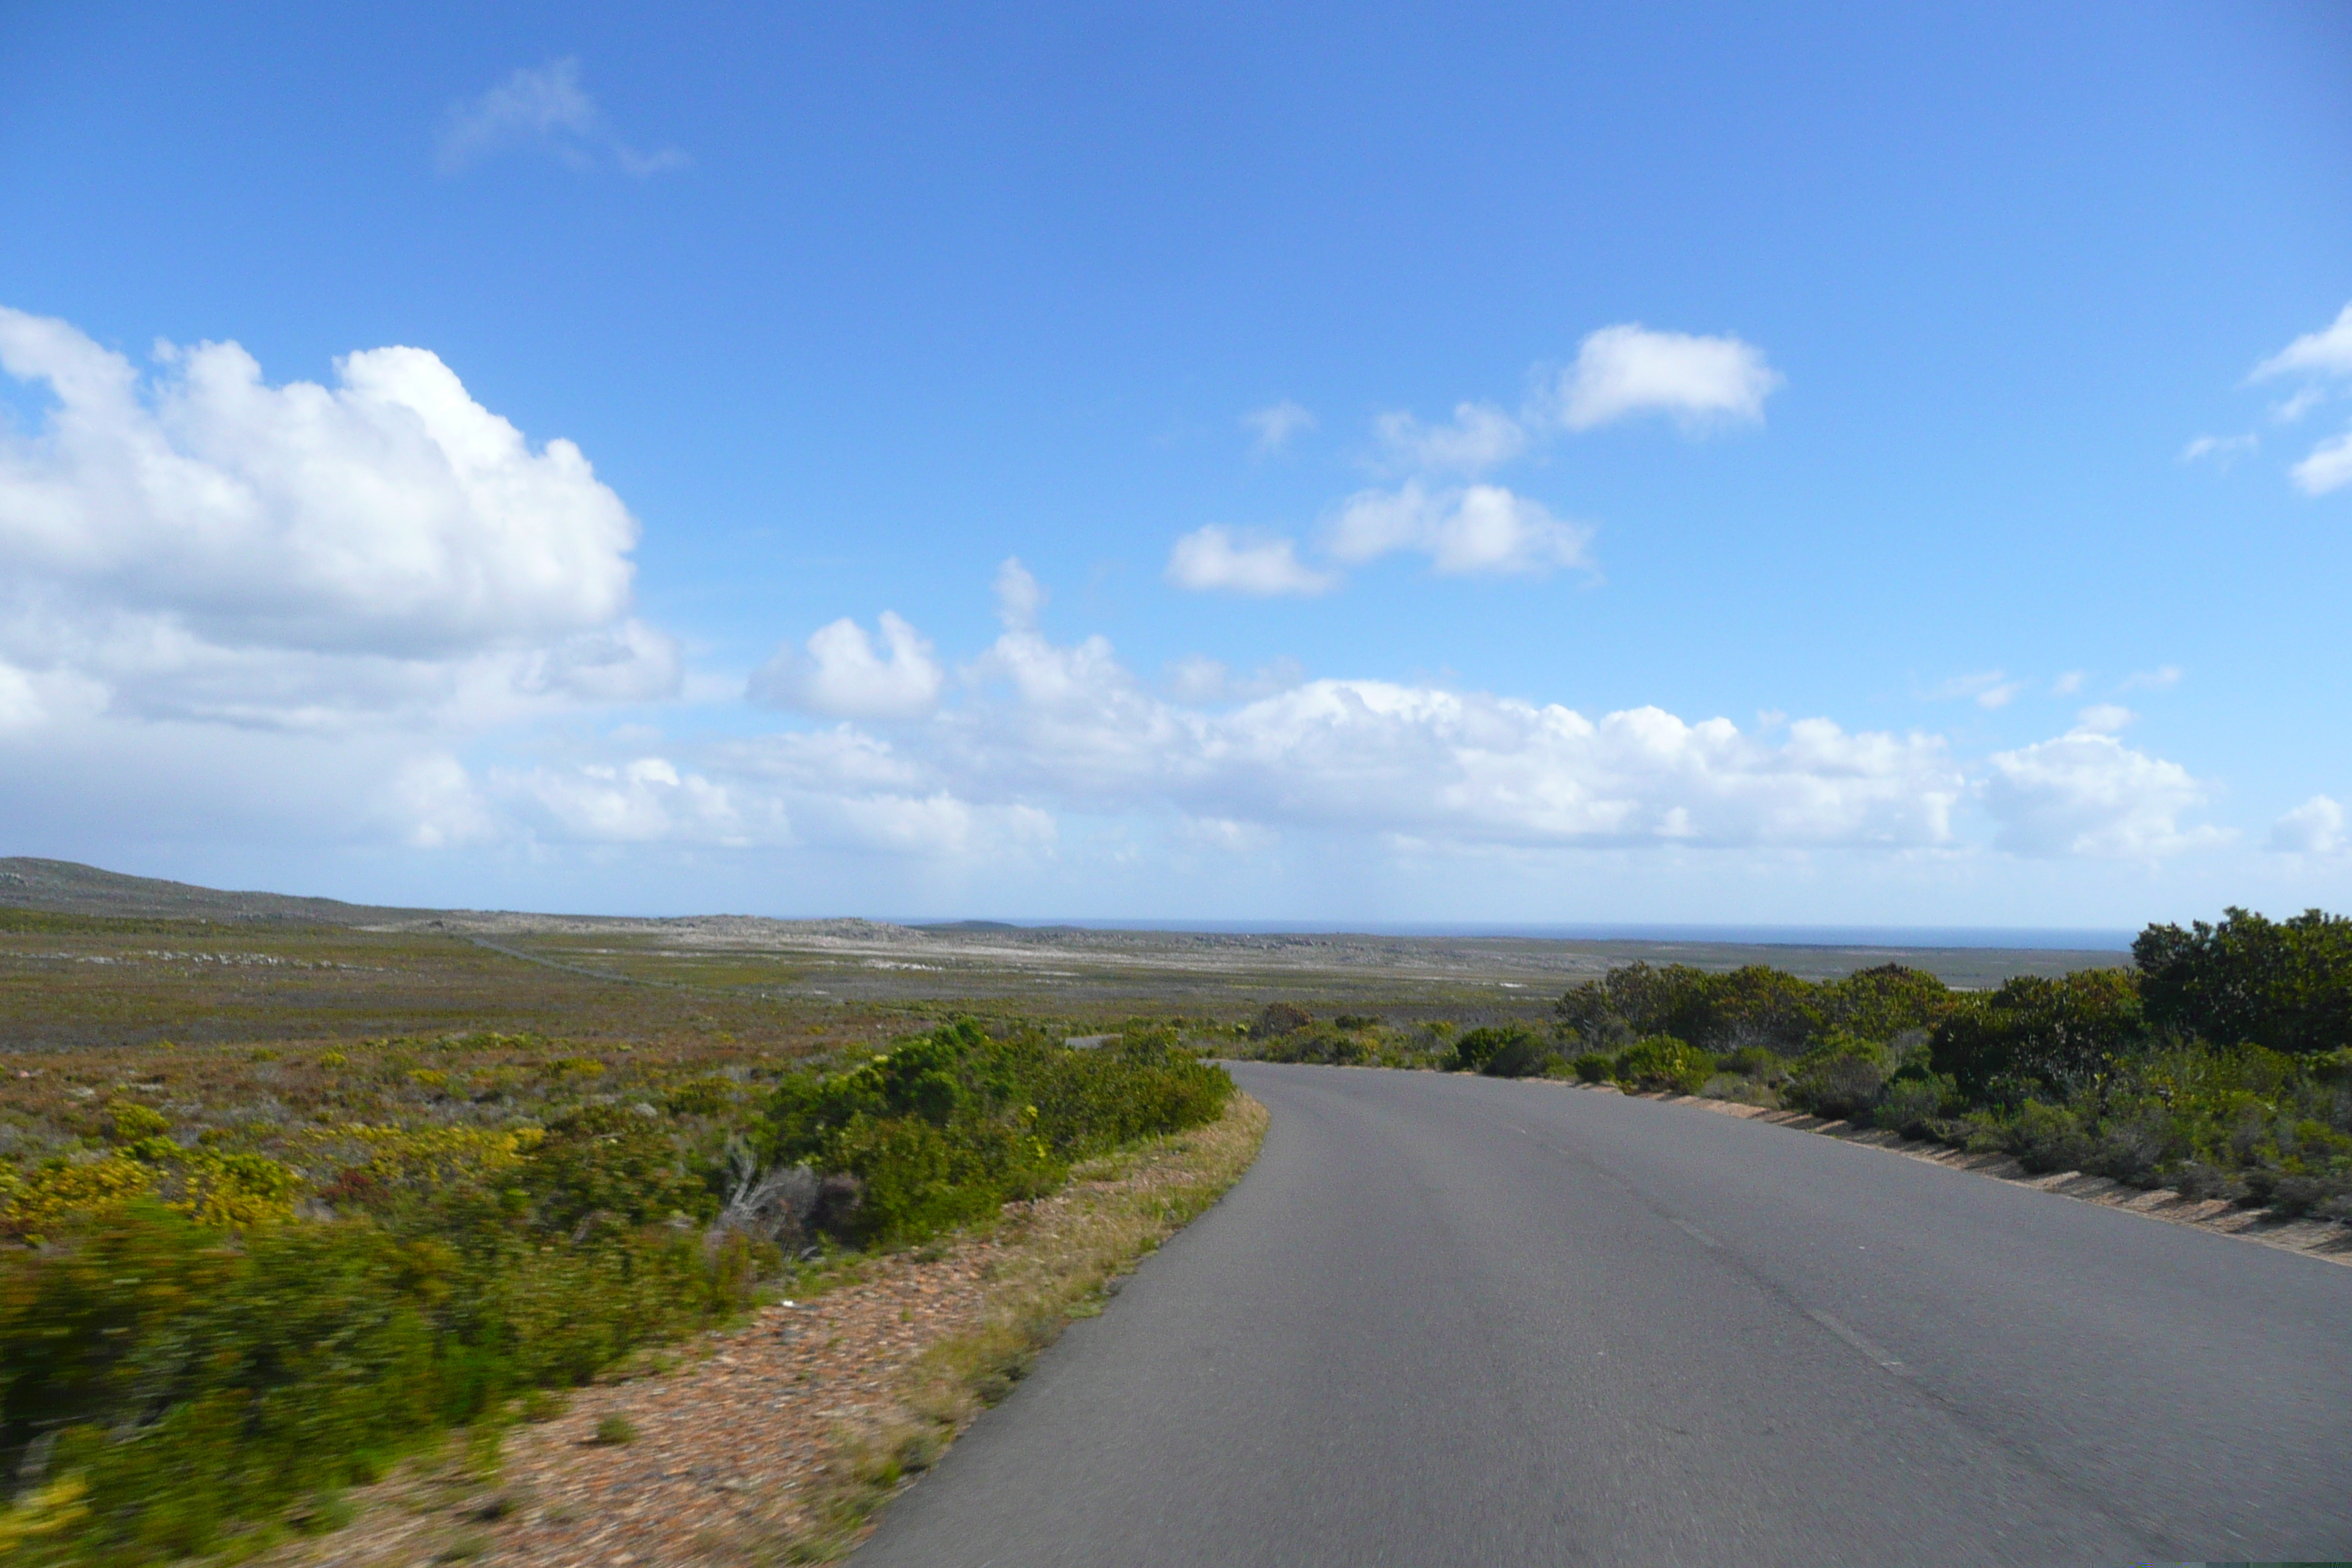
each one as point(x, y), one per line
point(199, 544)
point(643, 801)
point(1467, 530)
point(840, 673)
point(233, 607)
point(2315, 827)
point(389, 514)
point(1214, 558)
point(1628, 370)
point(2087, 794)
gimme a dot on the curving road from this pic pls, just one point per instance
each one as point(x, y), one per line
point(1456, 1320)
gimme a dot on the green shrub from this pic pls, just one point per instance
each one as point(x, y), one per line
point(1593, 1067)
point(1910, 1104)
point(946, 1126)
point(2037, 1037)
point(130, 1122)
point(1664, 1064)
point(2285, 985)
point(613, 1165)
point(1316, 1045)
point(1277, 1018)
point(1842, 1078)
point(1765, 1065)
point(1509, 1051)
point(296, 1358)
point(613, 1430)
point(2047, 1138)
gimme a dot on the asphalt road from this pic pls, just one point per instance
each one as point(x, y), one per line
point(1454, 1321)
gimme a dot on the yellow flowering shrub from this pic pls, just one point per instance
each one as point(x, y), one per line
point(61, 1190)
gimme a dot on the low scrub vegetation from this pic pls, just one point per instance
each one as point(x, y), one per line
point(2218, 1063)
point(234, 1281)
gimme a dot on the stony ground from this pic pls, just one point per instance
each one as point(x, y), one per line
point(759, 1444)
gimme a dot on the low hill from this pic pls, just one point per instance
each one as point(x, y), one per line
point(64, 886)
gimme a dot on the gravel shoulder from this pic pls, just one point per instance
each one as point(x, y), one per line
point(781, 1439)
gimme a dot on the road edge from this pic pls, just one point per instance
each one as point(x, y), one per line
point(1140, 1198)
point(2326, 1240)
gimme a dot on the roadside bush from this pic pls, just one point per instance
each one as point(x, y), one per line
point(2047, 1138)
point(2037, 1037)
point(1909, 1105)
point(946, 1126)
point(1841, 1079)
point(1593, 1067)
point(1319, 1045)
point(2285, 985)
point(187, 1377)
point(1663, 1064)
point(611, 1164)
point(1277, 1018)
point(1508, 1051)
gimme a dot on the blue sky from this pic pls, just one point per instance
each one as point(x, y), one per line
point(1476, 464)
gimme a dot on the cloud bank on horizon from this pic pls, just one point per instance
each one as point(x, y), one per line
point(235, 606)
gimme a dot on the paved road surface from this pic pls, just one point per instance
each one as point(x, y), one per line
point(1456, 1320)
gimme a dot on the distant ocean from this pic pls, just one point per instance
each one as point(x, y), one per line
point(2071, 939)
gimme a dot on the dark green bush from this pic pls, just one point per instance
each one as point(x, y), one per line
point(2221, 1064)
point(2041, 1038)
point(1508, 1051)
point(1910, 1105)
point(2048, 1138)
point(1316, 1045)
point(2285, 985)
point(1841, 1078)
point(1276, 1019)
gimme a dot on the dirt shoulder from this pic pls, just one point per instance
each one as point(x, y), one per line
point(775, 1442)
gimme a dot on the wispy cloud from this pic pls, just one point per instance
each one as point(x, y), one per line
point(2328, 351)
point(1439, 503)
point(1276, 423)
point(2328, 468)
point(1986, 689)
point(2321, 355)
point(543, 109)
point(2221, 450)
point(1479, 437)
point(2163, 678)
point(2289, 410)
